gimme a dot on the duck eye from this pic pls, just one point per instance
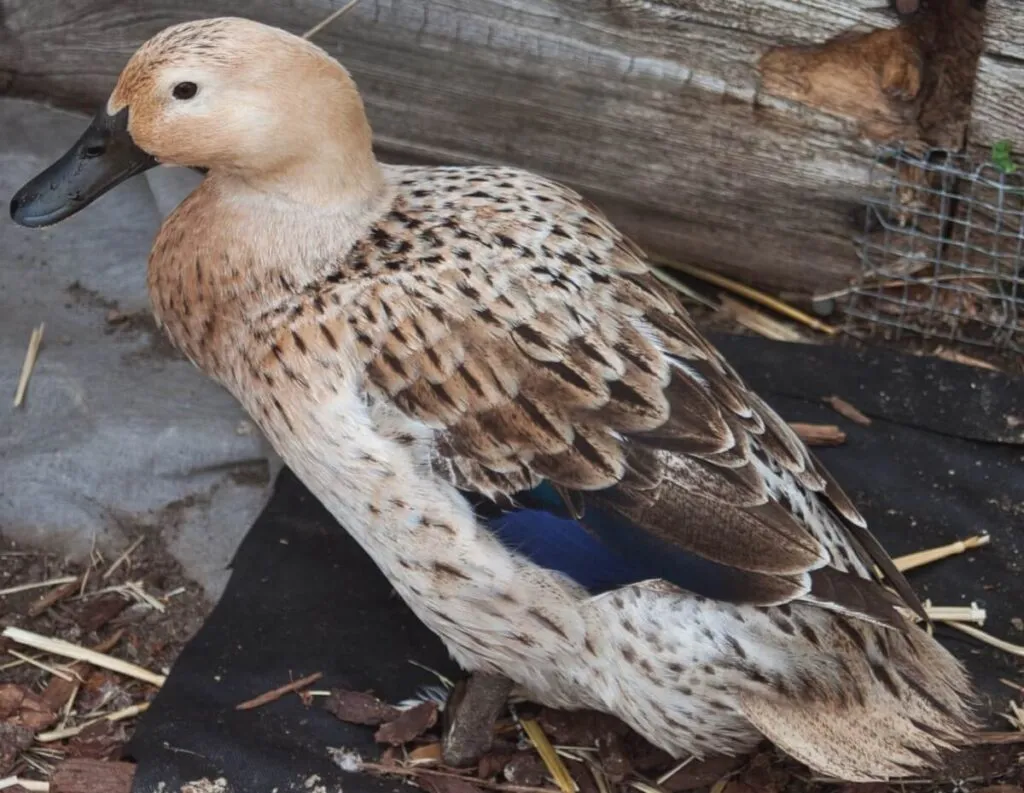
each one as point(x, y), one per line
point(185, 90)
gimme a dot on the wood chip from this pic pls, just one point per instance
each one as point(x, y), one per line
point(410, 724)
point(277, 693)
point(98, 611)
point(357, 707)
point(21, 707)
point(819, 434)
point(844, 408)
point(92, 776)
point(58, 692)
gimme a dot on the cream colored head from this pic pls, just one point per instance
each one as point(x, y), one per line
point(235, 95)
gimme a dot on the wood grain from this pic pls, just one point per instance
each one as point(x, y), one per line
point(92, 776)
point(998, 107)
point(653, 108)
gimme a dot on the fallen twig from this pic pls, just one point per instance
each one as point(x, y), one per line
point(34, 342)
point(277, 693)
point(38, 585)
point(53, 597)
point(69, 650)
point(819, 434)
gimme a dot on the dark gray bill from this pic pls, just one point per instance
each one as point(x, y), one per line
point(101, 159)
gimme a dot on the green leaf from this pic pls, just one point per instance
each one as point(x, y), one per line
point(1002, 156)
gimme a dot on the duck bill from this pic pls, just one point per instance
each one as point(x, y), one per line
point(100, 160)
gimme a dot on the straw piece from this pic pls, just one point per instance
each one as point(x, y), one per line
point(70, 732)
point(759, 322)
point(750, 293)
point(40, 665)
point(325, 22)
point(972, 613)
point(675, 770)
point(1005, 646)
point(31, 785)
point(68, 579)
point(550, 757)
point(920, 558)
point(120, 560)
point(69, 650)
point(35, 340)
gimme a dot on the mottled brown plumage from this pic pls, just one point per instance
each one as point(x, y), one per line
point(411, 338)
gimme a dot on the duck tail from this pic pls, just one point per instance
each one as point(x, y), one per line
point(900, 703)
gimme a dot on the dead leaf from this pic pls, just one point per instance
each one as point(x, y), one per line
point(357, 707)
point(410, 724)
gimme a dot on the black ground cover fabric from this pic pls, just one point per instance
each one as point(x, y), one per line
point(943, 458)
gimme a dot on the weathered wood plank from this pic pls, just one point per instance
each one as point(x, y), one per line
point(998, 107)
point(652, 107)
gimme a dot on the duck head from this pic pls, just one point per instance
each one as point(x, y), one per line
point(227, 96)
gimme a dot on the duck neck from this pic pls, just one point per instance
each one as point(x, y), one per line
point(340, 183)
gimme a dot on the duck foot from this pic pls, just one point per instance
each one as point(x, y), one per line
point(473, 707)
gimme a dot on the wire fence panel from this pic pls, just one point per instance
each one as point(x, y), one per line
point(942, 251)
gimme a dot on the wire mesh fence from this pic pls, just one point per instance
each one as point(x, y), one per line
point(942, 251)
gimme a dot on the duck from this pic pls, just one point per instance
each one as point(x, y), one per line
point(484, 382)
